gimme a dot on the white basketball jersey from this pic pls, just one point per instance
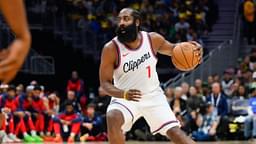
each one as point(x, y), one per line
point(136, 67)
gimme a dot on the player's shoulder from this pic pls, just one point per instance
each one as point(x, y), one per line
point(155, 35)
point(109, 50)
point(110, 45)
point(156, 39)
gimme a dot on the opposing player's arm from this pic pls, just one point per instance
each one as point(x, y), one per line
point(15, 16)
point(160, 45)
point(108, 59)
point(14, 13)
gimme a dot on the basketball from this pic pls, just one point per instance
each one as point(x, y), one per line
point(184, 57)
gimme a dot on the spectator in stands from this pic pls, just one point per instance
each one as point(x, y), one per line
point(38, 111)
point(216, 78)
point(33, 83)
point(244, 65)
point(207, 125)
point(194, 103)
point(102, 101)
point(251, 118)
point(179, 105)
point(53, 106)
point(200, 25)
point(92, 124)
point(66, 120)
point(253, 83)
point(169, 92)
point(182, 25)
point(71, 97)
point(3, 88)
point(248, 15)
point(9, 108)
point(185, 90)
point(227, 82)
point(210, 80)
point(219, 101)
point(198, 86)
point(25, 107)
point(76, 84)
point(20, 89)
point(206, 90)
point(234, 90)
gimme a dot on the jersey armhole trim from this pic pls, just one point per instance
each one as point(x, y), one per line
point(117, 63)
point(151, 46)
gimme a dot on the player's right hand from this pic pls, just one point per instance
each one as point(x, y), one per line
point(133, 95)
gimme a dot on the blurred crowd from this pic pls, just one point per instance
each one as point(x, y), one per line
point(34, 114)
point(248, 13)
point(177, 20)
point(222, 107)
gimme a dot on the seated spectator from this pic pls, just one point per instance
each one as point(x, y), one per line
point(169, 92)
point(219, 101)
point(210, 80)
point(53, 106)
point(182, 24)
point(241, 93)
point(71, 97)
point(179, 105)
point(250, 122)
point(216, 78)
point(20, 89)
point(194, 104)
point(66, 120)
point(92, 124)
point(9, 106)
point(227, 82)
point(33, 106)
point(185, 90)
point(248, 16)
point(102, 101)
point(76, 84)
point(200, 26)
point(199, 86)
point(253, 83)
point(207, 125)
point(25, 108)
point(37, 111)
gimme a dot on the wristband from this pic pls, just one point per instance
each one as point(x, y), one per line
point(125, 95)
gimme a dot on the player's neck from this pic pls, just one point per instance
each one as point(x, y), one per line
point(135, 44)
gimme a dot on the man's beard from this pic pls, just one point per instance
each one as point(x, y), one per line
point(127, 34)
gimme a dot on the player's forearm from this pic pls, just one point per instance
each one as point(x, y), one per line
point(15, 15)
point(111, 90)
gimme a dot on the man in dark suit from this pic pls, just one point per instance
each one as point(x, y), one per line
point(219, 100)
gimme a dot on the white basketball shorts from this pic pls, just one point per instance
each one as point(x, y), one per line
point(153, 107)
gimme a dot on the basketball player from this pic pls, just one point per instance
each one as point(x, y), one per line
point(130, 58)
point(13, 57)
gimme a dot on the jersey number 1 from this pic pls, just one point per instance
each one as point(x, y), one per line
point(149, 71)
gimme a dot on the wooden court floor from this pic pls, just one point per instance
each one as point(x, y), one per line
point(136, 142)
point(217, 142)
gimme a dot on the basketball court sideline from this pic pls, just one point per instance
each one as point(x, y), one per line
point(147, 142)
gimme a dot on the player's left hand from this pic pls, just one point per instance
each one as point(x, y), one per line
point(12, 60)
point(198, 50)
